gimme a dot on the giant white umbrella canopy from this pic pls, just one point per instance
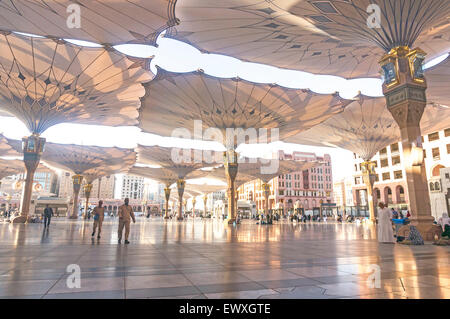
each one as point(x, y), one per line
point(219, 174)
point(182, 163)
point(231, 112)
point(112, 22)
point(176, 100)
point(365, 127)
point(167, 176)
point(438, 79)
point(326, 37)
point(44, 82)
point(10, 167)
point(9, 147)
point(89, 162)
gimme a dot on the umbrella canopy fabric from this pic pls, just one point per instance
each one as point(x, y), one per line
point(91, 162)
point(366, 126)
point(335, 37)
point(112, 22)
point(180, 101)
point(10, 147)
point(44, 82)
point(254, 167)
point(167, 176)
point(10, 167)
point(181, 162)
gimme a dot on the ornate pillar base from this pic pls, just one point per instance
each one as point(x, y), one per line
point(230, 221)
point(428, 231)
point(20, 220)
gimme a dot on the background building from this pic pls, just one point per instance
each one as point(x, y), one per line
point(132, 187)
point(307, 188)
point(343, 193)
point(390, 183)
point(107, 186)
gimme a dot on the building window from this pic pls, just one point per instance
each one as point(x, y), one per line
point(396, 160)
point(384, 163)
point(437, 186)
point(447, 132)
point(433, 137)
point(383, 151)
point(448, 148)
point(398, 175)
point(435, 152)
point(394, 148)
point(386, 176)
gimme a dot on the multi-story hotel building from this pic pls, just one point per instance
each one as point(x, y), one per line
point(390, 186)
point(132, 187)
point(306, 189)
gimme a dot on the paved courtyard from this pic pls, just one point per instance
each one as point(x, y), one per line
point(204, 259)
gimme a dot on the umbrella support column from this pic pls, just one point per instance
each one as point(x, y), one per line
point(33, 146)
point(167, 197)
point(369, 176)
point(231, 169)
point(180, 187)
point(77, 180)
point(205, 200)
point(405, 91)
point(87, 193)
point(266, 192)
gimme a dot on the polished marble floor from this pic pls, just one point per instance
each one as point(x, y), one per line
point(205, 259)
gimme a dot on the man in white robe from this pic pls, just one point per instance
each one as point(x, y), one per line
point(385, 232)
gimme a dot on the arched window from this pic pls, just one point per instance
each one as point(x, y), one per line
point(436, 172)
point(431, 186)
point(437, 186)
point(400, 194)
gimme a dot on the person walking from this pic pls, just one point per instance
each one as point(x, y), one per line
point(125, 216)
point(99, 215)
point(385, 232)
point(48, 213)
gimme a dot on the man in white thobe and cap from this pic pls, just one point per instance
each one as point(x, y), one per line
point(385, 231)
